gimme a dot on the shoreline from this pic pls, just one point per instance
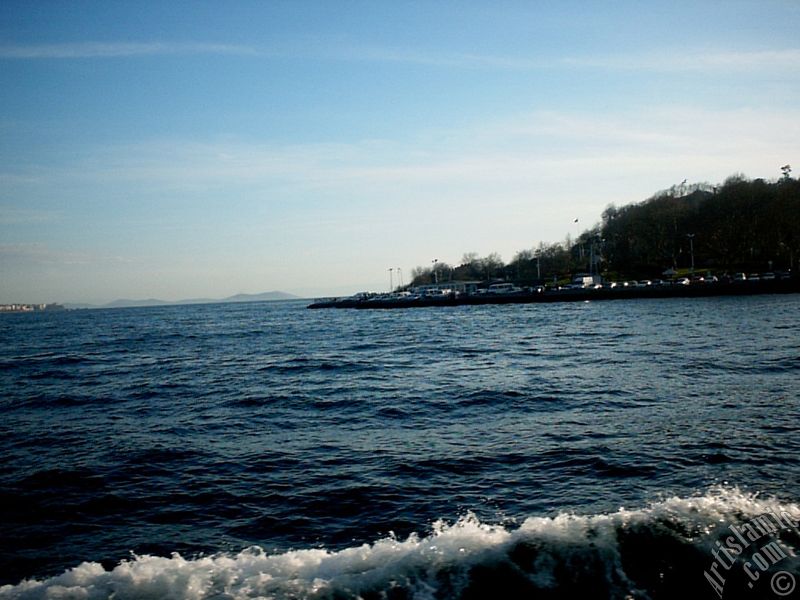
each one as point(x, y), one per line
point(701, 290)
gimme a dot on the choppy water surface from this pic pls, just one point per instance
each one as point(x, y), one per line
point(425, 453)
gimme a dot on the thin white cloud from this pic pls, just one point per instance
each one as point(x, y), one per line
point(37, 253)
point(432, 58)
point(12, 215)
point(310, 49)
point(118, 49)
point(667, 59)
point(693, 60)
point(11, 179)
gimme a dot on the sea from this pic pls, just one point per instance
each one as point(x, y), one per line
point(621, 449)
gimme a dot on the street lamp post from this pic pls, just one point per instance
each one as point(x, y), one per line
point(435, 274)
point(691, 248)
point(593, 258)
point(391, 283)
point(577, 240)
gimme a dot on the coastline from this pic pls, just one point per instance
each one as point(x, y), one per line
point(744, 288)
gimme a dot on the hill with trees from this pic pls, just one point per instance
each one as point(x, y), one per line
point(741, 225)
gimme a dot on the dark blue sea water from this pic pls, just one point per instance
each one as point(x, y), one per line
point(532, 451)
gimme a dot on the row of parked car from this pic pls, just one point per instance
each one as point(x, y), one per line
point(694, 280)
point(763, 277)
point(700, 279)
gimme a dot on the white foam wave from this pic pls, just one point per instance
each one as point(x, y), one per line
point(432, 566)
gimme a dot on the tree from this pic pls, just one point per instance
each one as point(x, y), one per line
point(492, 265)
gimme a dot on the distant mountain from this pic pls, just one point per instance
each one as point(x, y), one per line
point(127, 303)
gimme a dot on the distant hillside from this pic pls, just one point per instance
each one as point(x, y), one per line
point(126, 303)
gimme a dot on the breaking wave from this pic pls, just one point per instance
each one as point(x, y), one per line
point(661, 551)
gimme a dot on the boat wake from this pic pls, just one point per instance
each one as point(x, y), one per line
point(673, 547)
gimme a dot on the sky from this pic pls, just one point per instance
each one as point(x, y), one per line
point(203, 149)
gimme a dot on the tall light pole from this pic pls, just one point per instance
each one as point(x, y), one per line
point(691, 248)
point(391, 283)
point(599, 259)
point(577, 237)
point(592, 257)
point(400, 276)
point(435, 274)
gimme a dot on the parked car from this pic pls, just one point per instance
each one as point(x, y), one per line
point(768, 277)
point(503, 288)
point(683, 281)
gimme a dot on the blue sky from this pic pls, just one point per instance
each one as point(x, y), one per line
point(202, 149)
